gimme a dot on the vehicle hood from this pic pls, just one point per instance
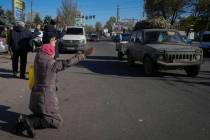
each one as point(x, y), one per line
point(73, 37)
point(172, 47)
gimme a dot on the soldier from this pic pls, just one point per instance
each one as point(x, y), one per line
point(43, 100)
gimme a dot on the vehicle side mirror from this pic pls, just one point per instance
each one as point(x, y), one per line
point(132, 40)
point(138, 40)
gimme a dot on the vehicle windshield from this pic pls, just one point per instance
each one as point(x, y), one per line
point(74, 31)
point(93, 35)
point(125, 37)
point(163, 37)
point(206, 38)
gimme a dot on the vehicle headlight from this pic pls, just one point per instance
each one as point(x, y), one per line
point(160, 57)
point(198, 57)
point(82, 41)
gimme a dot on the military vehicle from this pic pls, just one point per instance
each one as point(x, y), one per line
point(122, 45)
point(163, 49)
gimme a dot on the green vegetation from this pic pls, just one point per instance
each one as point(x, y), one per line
point(181, 13)
point(6, 17)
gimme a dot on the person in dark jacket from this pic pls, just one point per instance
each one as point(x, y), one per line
point(43, 99)
point(38, 28)
point(19, 43)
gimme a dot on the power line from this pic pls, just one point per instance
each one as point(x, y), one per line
point(109, 3)
point(112, 8)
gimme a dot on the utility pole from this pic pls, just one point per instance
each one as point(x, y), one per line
point(31, 12)
point(13, 9)
point(144, 16)
point(118, 13)
point(207, 25)
point(143, 9)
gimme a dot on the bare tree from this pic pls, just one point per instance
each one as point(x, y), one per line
point(68, 11)
point(98, 27)
point(168, 9)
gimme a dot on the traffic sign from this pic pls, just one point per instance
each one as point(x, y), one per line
point(20, 4)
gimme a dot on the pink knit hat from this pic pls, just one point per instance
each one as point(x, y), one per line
point(48, 49)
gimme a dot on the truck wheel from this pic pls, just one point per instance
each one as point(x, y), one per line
point(205, 53)
point(120, 55)
point(192, 71)
point(149, 66)
point(33, 47)
point(60, 48)
point(80, 52)
point(131, 62)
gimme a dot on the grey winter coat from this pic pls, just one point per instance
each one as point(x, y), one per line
point(43, 100)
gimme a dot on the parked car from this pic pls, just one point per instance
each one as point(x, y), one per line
point(122, 45)
point(73, 40)
point(116, 38)
point(3, 45)
point(163, 49)
point(94, 37)
point(205, 42)
point(36, 43)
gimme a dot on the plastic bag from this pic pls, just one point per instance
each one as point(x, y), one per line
point(31, 79)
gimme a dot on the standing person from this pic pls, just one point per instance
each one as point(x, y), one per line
point(38, 28)
point(190, 36)
point(37, 42)
point(43, 100)
point(19, 43)
point(50, 29)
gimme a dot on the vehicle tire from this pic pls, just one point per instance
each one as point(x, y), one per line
point(131, 62)
point(80, 52)
point(205, 52)
point(192, 71)
point(120, 55)
point(33, 47)
point(149, 66)
point(60, 48)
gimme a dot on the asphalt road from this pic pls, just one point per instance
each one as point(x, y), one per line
point(103, 98)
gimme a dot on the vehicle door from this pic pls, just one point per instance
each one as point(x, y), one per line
point(139, 46)
point(131, 44)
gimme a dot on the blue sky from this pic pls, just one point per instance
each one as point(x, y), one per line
point(103, 9)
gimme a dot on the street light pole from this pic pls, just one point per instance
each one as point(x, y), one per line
point(207, 25)
point(31, 12)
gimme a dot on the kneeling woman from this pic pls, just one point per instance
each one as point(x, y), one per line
point(43, 100)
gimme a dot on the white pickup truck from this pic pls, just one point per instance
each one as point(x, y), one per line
point(73, 40)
